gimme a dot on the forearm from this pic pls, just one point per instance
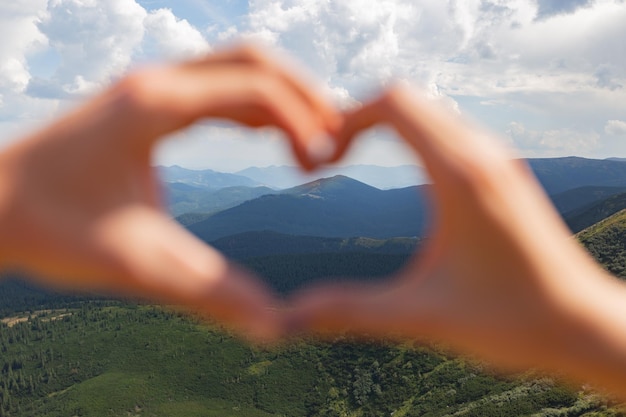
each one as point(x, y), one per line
point(594, 340)
point(585, 318)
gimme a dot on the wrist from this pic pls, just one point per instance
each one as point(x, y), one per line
point(593, 348)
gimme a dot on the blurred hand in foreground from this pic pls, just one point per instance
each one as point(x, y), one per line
point(500, 275)
point(80, 205)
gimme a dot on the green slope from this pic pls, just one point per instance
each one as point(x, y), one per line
point(121, 360)
point(606, 241)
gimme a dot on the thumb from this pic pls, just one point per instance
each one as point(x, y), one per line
point(358, 309)
point(161, 260)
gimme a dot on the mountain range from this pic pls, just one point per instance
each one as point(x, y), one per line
point(380, 177)
point(73, 356)
point(572, 183)
point(329, 207)
point(557, 175)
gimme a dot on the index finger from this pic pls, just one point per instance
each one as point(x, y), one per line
point(291, 72)
point(462, 160)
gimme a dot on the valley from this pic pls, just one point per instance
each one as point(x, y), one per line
point(88, 355)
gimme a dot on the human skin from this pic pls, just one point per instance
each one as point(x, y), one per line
point(500, 276)
point(81, 207)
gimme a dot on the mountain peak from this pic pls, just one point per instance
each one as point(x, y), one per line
point(331, 187)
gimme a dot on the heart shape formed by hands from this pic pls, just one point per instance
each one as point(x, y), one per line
point(83, 201)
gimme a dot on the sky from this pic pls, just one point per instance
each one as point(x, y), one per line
point(546, 76)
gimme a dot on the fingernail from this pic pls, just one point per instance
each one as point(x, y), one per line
point(320, 149)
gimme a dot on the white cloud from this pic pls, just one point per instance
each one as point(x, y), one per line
point(174, 37)
point(468, 48)
point(565, 140)
point(615, 128)
point(554, 65)
point(96, 41)
point(14, 75)
point(220, 148)
point(20, 37)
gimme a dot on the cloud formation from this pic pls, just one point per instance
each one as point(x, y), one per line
point(95, 40)
point(20, 34)
point(549, 8)
point(615, 128)
point(105, 39)
point(552, 65)
point(173, 37)
point(565, 140)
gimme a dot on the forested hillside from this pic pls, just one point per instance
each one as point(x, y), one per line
point(71, 355)
point(121, 360)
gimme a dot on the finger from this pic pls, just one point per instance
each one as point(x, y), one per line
point(364, 310)
point(158, 258)
point(260, 99)
point(289, 71)
point(352, 124)
point(313, 149)
point(308, 137)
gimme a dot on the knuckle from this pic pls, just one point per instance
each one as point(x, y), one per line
point(395, 93)
point(480, 176)
point(138, 88)
point(249, 53)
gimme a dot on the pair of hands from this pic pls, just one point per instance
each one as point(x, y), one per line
point(500, 276)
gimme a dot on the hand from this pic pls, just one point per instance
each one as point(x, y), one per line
point(80, 204)
point(500, 275)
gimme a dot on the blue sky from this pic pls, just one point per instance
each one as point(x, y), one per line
point(547, 76)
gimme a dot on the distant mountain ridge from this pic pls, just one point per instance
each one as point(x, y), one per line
point(581, 198)
point(341, 206)
point(183, 198)
point(380, 177)
point(587, 216)
point(330, 207)
point(205, 178)
point(557, 175)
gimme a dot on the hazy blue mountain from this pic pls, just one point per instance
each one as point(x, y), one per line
point(329, 207)
point(582, 197)
point(616, 159)
point(265, 243)
point(183, 198)
point(286, 273)
point(205, 178)
point(561, 174)
point(376, 176)
point(556, 175)
point(584, 217)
